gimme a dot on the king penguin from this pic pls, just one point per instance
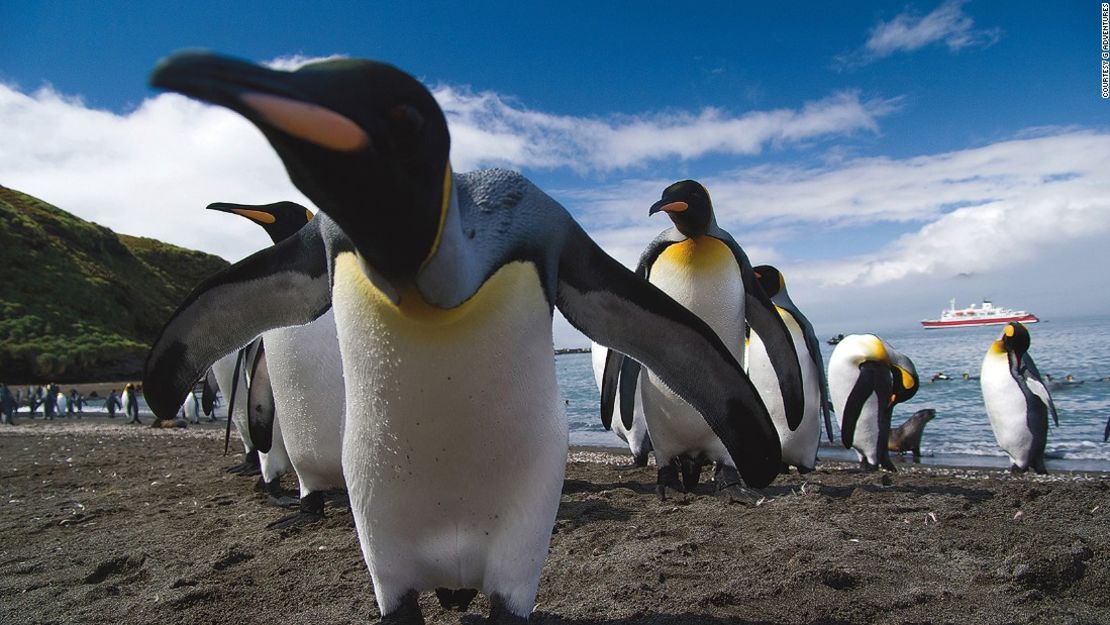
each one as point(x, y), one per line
point(637, 438)
point(703, 268)
point(799, 447)
point(443, 287)
point(1016, 399)
point(867, 378)
point(306, 375)
point(221, 374)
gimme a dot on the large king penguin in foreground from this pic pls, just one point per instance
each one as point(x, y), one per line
point(306, 375)
point(799, 447)
point(1016, 399)
point(443, 287)
point(867, 378)
point(703, 268)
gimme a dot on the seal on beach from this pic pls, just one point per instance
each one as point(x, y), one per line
point(637, 437)
point(703, 268)
point(306, 375)
point(867, 378)
point(443, 288)
point(1016, 399)
point(907, 437)
point(799, 446)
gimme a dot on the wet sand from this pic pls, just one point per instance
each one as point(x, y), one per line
point(103, 522)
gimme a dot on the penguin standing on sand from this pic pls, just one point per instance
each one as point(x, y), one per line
point(131, 403)
point(1016, 399)
point(637, 437)
point(223, 372)
point(703, 268)
point(443, 288)
point(867, 378)
point(306, 375)
point(799, 447)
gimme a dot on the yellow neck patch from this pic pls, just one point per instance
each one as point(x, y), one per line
point(414, 313)
point(998, 348)
point(698, 253)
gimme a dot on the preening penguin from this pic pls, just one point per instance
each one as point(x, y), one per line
point(799, 446)
point(703, 268)
point(306, 375)
point(639, 442)
point(443, 288)
point(867, 378)
point(1016, 399)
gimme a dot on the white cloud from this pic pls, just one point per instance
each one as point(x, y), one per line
point(151, 171)
point(907, 32)
point(972, 217)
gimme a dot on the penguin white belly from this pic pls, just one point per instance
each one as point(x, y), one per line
point(275, 462)
point(635, 437)
point(190, 408)
point(865, 440)
point(455, 442)
point(702, 275)
point(799, 447)
point(1006, 409)
point(307, 376)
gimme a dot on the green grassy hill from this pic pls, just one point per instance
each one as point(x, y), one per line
point(79, 302)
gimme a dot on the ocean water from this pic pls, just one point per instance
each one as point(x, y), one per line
point(960, 434)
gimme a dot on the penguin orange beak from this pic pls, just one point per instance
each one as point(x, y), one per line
point(667, 207)
point(258, 216)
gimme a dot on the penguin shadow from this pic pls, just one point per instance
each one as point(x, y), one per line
point(576, 514)
point(972, 495)
point(573, 487)
point(684, 618)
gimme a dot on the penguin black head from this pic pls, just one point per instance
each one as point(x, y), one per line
point(770, 279)
point(1015, 339)
point(688, 205)
point(280, 220)
point(365, 141)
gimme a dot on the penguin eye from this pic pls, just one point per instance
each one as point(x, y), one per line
point(405, 120)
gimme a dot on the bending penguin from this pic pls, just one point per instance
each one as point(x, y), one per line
point(306, 375)
point(443, 287)
point(637, 437)
point(867, 378)
point(799, 447)
point(1016, 399)
point(703, 268)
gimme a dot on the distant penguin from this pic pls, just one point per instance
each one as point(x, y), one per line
point(867, 378)
point(443, 287)
point(1106, 432)
point(639, 442)
point(907, 437)
point(799, 446)
point(703, 268)
point(306, 375)
point(191, 408)
point(1016, 399)
point(265, 428)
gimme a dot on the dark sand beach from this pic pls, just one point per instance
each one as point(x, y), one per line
point(101, 522)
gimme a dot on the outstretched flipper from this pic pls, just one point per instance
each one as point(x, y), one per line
point(612, 306)
point(1036, 386)
point(873, 381)
point(283, 285)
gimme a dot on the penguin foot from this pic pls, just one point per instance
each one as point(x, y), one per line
point(867, 467)
point(731, 488)
point(667, 477)
point(407, 613)
point(499, 613)
point(458, 600)
point(311, 511)
point(803, 470)
point(691, 473)
point(1016, 470)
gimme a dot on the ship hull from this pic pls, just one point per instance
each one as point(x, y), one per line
point(936, 324)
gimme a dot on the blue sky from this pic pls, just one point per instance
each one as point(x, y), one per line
point(887, 156)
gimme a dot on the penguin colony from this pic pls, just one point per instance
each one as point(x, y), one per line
point(398, 343)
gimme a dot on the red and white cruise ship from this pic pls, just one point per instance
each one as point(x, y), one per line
point(986, 315)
